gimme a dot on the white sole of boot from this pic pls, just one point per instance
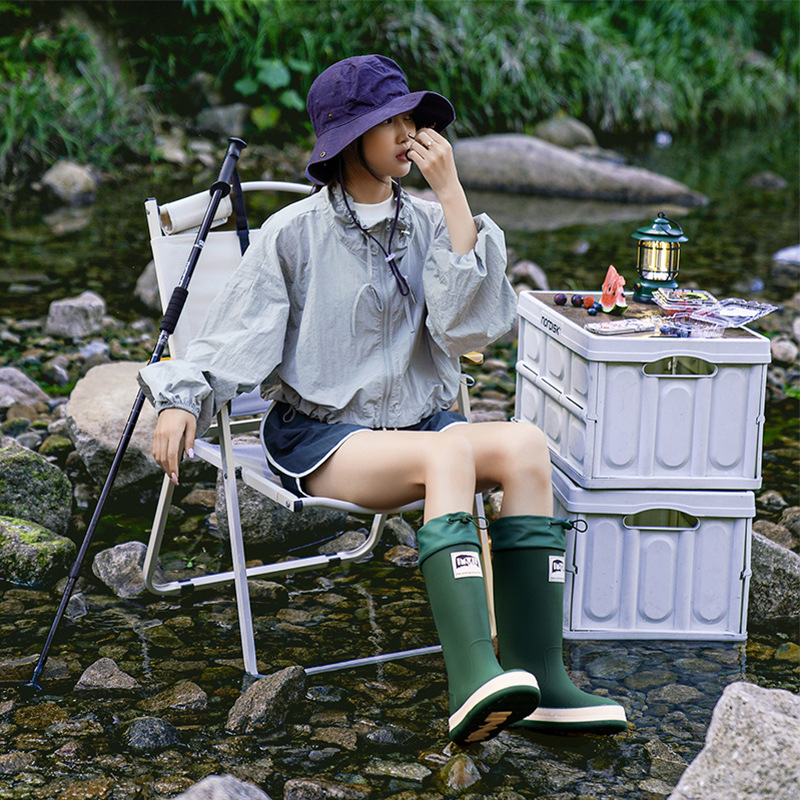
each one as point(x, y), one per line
point(603, 713)
point(498, 703)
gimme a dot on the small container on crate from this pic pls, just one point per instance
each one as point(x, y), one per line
point(642, 410)
point(655, 564)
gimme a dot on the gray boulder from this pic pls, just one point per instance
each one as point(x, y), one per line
point(223, 787)
point(151, 735)
point(752, 749)
point(31, 555)
point(266, 523)
point(105, 675)
point(76, 317)
point(775, 581)
point(31, 488)
point(565, 132)
point(120, 568)
point(511, 162)
point(146, 291)
point(266, 703)
point(70, 182)
point(324, 789)
point(17, 387)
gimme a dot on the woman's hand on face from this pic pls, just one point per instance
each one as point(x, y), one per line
point(174, 436)
point(433, 154)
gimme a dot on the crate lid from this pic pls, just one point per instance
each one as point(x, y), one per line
point(565, 324)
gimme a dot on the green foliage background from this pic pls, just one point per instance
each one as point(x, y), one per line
point(623, 66)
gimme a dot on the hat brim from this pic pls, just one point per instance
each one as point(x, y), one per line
point(430, 110)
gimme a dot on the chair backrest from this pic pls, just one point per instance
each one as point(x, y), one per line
point(172, 242)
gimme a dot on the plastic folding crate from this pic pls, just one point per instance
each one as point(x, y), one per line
point(655, 564)
point(638, 410)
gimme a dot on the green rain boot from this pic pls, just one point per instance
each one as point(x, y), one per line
point(528, 565)
point(483, 698)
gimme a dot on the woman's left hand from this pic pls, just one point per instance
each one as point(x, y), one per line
point(433, 154)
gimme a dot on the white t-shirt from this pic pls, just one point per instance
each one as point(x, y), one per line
point(370, 213)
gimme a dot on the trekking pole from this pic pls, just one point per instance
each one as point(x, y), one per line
point(221, 188)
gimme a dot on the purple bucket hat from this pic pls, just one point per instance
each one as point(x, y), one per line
point(354, 95)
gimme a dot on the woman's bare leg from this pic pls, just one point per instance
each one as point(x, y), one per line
point(385, 469)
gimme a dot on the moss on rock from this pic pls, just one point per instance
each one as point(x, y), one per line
point(31, 555)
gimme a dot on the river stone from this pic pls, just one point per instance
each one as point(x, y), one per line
point(17, 387)
point(146, 291)
point(775, 582)
point(105, 675)
point(266, 702)
point(32, 488)
point(790, 519)
point(76, 317)
point(223, 787)
point(21, 669)
point(70, 182)
point(266, 523)
point(120, 568)
point(15, 761)
point(402, 532)
point(97, 411)
point(31, 555)
point(181, 701)
point(775, 533)
point(322, 789)
point(565, 132)
point(752, 748)
point(512, 162)
point(675, 694)
point(665, 763)
point(395, 769)
point(151, 735)
point(458, 774)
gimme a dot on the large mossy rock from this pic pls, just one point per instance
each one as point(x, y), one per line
point(511, 162)
point(31, 488)
point(31, 555)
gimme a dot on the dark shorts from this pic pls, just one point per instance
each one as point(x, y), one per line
point(296, 445)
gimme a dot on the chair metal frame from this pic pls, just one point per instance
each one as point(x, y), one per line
point(249, 463)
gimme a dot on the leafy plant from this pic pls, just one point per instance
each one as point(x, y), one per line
point(273, 78)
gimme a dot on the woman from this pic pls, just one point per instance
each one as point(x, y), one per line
point(353, 306)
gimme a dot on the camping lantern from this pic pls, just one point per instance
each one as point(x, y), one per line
point(658, 257)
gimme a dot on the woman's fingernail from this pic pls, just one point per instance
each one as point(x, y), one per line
point(190, 452)
point(174, 478)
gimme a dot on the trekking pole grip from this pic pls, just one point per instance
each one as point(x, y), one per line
point(223, 182)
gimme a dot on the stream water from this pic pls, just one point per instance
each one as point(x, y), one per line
point(380, 727)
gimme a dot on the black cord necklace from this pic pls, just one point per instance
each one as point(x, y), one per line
point(402, 284)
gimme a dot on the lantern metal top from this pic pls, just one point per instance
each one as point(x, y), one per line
point(662, 229)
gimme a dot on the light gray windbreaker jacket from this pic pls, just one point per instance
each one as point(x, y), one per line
point(314, 315)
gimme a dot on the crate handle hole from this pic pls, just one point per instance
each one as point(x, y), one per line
point(680, 366)
point(661, 519)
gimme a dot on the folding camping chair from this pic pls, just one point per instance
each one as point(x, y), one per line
point(221, 254)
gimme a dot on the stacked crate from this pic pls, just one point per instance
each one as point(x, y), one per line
point(656, 444)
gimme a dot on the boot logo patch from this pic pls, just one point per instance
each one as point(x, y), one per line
point(466, 565)
point(556, 571)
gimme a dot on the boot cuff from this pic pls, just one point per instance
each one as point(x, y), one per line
point(445, 531)
point(529, 532)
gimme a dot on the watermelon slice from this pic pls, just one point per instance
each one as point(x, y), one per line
point(613, 297)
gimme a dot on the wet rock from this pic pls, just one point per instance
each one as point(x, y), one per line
point(665, 763)
point(17, 387)
point(322, 789)
point(783, 350)
point(457, 775)
point(349, 540)
point(21, 669)
point(265, 704)
point(76, 317)
point(31, 488)
point(105, 675)
point(120, 568)
point(789, 255)
point(776, 533)
point(268, 592)
point(151, 735)
point(16, 761)
point(31, 555)
point(401, 531)
point(97, 411)
point(77, 607)
point(183, 701)
point(395, 769)
point(39, 717)
point(146, 290)
point(223, 787)
point(70, 182)
point(790, 519)
point(264, 522)
point(224, 120)
point(775, 582)
point(772, 502)
point(91, 789)
point(752, 748)
point(402, 556)
point(513, 162)
point(346, 738)
point(565, 132)
point(767, 181)
point(674, 694)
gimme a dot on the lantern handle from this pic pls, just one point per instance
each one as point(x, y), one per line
point(674, 224)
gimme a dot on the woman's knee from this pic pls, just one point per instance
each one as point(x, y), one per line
point(525, 451)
